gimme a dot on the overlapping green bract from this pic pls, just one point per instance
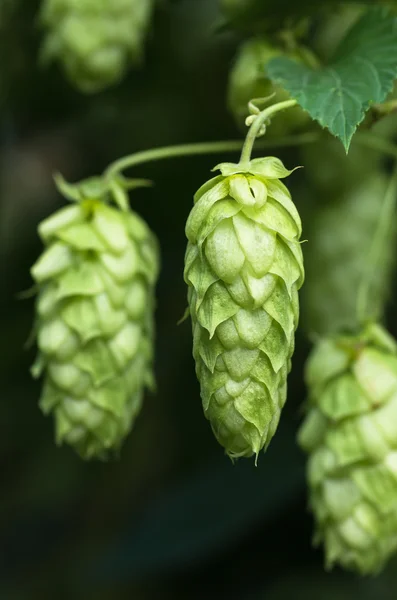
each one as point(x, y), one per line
point(248, 80)
point(244, 267)
point(341, 233)
point(95, 40)
point(350, 433)
point(94, 321)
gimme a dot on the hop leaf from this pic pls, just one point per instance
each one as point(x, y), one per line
point(248, 80)
point(244, 266)
point(337, 263)
point(95, 40)
point(350, 434)
point(94, 318)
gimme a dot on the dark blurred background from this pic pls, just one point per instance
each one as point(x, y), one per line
point(173, 517)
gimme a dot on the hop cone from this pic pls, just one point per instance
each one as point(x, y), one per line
point(244, 267)
point(350, 433)
point(336, 264)
point(247, 80)
point(94, 319)
point(95, 40)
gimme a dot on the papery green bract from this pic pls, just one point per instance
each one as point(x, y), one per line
point(95, 40)
point(350, 434)
point(341, 232)
point(248, 80)
point(244, 266)
point(94, 322)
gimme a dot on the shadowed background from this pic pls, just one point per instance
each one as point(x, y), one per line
point(172, 518)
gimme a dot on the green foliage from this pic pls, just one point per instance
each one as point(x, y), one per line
point(244, 267)
point(362, 72)
point(95, 40)
point(350, 434)
point(94, 318)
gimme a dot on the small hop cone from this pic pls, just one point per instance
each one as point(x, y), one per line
point(350, 434)
point(336, 264)
point(95, 40)
point(243, 268)
point(94, 321)
point(247, 81)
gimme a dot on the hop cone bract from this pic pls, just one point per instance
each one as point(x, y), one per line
point(350, 434)
point(94, 325)
point(95, 40)
point(244, 266)
point(247, 80)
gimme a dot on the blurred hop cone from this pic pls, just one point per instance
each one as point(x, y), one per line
point(350, 434)
point(95, 40)
point(94, 319)
point(244, 267)
point(247, 80)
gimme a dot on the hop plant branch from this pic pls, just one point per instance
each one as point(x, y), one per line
point(195, 149)
point(367, 139)
point(257, 123)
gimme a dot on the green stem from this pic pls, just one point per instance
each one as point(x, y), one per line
point(163, 152)
point(367, 139)
point(385, 222)
point(256, 127)
point(195, 149)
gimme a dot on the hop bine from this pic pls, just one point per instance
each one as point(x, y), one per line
point(95, 40)
point(350, 434)
point(243, 268)
point(94, 319)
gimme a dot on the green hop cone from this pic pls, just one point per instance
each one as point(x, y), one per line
point(94, 318)
point(350, 434)
point(244, 267)
point(247, 80)
point(95, 40)
point(337, 263)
